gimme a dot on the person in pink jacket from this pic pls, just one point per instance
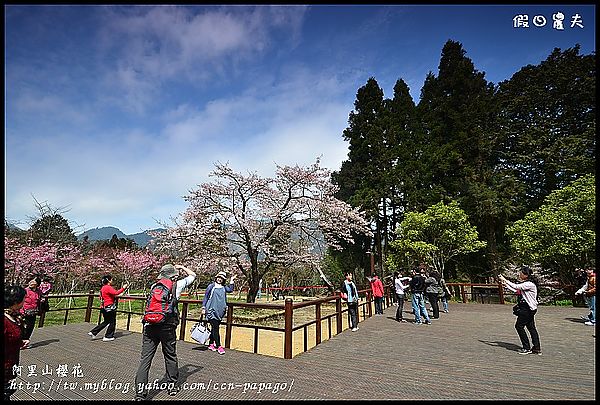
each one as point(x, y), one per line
point(30, 309)
point(377, 289)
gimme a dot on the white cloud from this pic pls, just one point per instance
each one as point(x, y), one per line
point(156, 45)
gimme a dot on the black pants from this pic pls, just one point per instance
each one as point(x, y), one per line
point(433, 301)
point(151, 337)
point(526, 319)
point(110, 320)
point(215, 336)
point(29, 321)
point(400, 300)
point(353, 315)
point(379, 305)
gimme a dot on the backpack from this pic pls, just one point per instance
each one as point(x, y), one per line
point(161, 303)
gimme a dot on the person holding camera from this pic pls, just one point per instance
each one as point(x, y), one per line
point(108, 309)
point(527, 304)
point(30, 309)
point(163, 333)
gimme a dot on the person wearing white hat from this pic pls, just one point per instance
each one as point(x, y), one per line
point(214, 306)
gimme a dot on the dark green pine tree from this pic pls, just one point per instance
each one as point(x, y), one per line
point(548, 125)
point(457, 110)
point(402, 171)
point(360, 178)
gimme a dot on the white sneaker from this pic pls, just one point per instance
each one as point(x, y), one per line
point(105, 339)
point(354, 329)
point(590, 323)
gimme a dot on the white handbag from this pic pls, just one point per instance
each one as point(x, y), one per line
point(200, 332)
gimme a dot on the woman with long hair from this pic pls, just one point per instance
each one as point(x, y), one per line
point(527, 291)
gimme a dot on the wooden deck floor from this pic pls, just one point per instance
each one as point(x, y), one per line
point(468, 354)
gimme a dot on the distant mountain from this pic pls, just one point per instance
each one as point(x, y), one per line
point(13, 227)
point(143, 238)
point(106, 233)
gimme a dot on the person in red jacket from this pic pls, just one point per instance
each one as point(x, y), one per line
point(377, 289)
point(14, 297)
point(108, 308)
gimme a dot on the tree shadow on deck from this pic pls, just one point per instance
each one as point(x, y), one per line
point(507, 346)
point(44, 343)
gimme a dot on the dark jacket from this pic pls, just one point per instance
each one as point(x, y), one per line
point(417, 284)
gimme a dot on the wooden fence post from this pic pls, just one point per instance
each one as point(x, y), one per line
point(288, 318)
point(501, 292)
point(318, 324)
point(90, 304)
point(228, 325)
point(369, 300)
point(42, 318)
point(463, 293)
point(184, 313)
point(338, 314)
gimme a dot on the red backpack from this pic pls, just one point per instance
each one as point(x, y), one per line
point(161, 303)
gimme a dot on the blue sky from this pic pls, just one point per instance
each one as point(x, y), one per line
point(116, 112)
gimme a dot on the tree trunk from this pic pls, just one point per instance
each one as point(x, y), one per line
point(252, 289)
point(253, 281)
point(330, 286)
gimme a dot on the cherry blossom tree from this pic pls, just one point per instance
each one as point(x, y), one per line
point(76, 267)
point(139, 266)
point(23, 262)
point(62, 263)
point(248, 224)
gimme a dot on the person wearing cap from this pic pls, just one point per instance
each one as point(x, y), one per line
point(214, 306)
point(165, 334)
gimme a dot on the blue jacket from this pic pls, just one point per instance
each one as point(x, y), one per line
point(215, 301)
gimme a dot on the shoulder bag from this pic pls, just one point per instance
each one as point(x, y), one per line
point(200, 332)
